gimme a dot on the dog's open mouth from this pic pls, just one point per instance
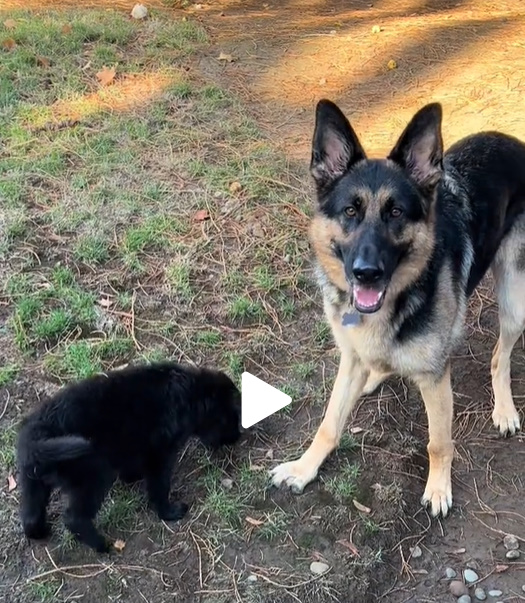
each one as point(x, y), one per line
point(368, 299)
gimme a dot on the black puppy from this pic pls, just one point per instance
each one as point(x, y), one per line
point(128, 423)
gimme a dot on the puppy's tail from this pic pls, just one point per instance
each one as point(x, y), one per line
point(46, 452)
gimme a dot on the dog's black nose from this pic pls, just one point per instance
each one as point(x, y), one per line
point(367, 272)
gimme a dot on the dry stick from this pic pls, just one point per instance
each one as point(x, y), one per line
point(292, 586)
point(501, 532)
point(67, 568)
point(8, 397)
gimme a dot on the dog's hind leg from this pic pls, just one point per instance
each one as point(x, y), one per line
point(86, 484)
point(509, 275)
point(349, 383)
point(33, 505)
point(437, 396)
point(158, 480)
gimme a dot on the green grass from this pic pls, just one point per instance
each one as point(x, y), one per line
point(122, 510)
point(8, 373)
point(179, 280)
point(8, 437)
point(43, 591)
point(344, 485)
point(243, 308)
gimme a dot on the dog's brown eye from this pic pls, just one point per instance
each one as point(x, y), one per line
point(395, 212)
point(350, 212)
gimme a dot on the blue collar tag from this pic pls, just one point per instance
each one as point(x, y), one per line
point(351, 319)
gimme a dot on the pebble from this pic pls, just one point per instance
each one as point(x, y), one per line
point(470, 576)
point(318, 567)
point(252, 578)
point(511, 543)
point(495, 593)
point(139, 11)
point(464, 599)
point(227, 483)
point(416, 551)
point(523, 588)
point(512, 554)
point(457, 588)
point(450, 573)
point(480, 594)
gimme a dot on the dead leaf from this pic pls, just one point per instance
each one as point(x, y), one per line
point(11, 483)
point(501, 568)
point(8, 44)
point(257, 468)
point(201, 215)
point(43, 61)
point(10, 24)
point(106, 75)
point(66, 29)
point(119, 545)
point(269, 454)
point(392, 64)
point(225, 57)
point(254, 522)
point(105, 302)
point(361, 507)
point(350, 546)
point(421, 571)
point(235, 187)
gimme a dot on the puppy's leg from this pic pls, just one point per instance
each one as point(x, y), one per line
point(86, 483)
point(510, 288)
point(33, 505)
point(158, 481)
point(437, 396)
point(349, 383)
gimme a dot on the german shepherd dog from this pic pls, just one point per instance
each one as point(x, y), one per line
point(401, 243)
point(129, 423)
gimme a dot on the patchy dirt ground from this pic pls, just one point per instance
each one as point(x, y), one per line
point(101, 190)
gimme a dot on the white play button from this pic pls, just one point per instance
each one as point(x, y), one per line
point(259, 400)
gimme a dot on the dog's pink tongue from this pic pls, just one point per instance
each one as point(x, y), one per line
point(366, 298)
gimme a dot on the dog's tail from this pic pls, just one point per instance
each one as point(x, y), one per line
point(44, 453)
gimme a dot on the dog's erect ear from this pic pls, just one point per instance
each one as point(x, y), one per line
point(335, 146)
point(419, 149)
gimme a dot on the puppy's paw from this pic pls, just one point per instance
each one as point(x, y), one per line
point(173, 512)
point(37, 531)
point(294, 475)
point(438, 497)
point(506, 420)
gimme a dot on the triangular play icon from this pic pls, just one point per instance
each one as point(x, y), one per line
point(259, 400)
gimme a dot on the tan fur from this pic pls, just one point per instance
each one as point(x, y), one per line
point(322, 232)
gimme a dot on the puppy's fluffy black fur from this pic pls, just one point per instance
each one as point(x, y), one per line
point(128, 423)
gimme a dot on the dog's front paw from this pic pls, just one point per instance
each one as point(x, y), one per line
point(294, 475)
point(507, 420)
point(438, 497)
point(173, 512)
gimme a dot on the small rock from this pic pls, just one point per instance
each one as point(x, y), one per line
point(480, 594)
point(470, 576)
point(376, 29)
point(512, 554)
point(523, 588)
point(450, 573)
point(416, 551)
point(457, 588)
point(227, 483)
point(511, 543)
point(495, 593)
point(139, 11)
point(464, 599)
point(318, 567)
point(251, 578)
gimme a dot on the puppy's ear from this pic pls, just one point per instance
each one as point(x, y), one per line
point(419, 150)
point(335, 146)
